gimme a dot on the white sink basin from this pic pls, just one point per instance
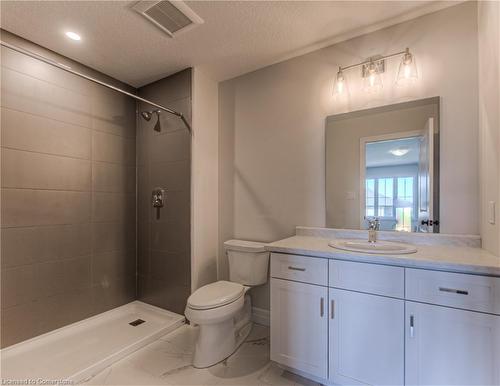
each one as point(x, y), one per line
point(378, 247)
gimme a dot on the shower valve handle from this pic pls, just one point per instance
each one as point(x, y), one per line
point(158, 200)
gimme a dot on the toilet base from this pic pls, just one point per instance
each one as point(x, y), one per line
point(218, 341)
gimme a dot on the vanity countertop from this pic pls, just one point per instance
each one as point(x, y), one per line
point(439, 257)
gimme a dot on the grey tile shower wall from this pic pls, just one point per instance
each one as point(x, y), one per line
point(68, 200)
point(164, 160)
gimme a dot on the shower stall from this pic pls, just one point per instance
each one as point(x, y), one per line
point(164, 196)
point(95, 204)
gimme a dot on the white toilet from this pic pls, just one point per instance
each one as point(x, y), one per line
point(223, 309)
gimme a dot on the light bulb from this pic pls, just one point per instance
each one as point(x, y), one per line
point(340, 86)
point(407, 72)
point(372, 81)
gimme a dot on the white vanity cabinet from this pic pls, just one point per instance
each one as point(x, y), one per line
point(366, 328)
point(356, 323)
point(299, 326)
point(299, 313)
point(366, 336)
point(452, 346)
point(339, 334)
point(447, 346)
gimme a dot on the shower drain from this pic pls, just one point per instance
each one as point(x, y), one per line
point(136, 322)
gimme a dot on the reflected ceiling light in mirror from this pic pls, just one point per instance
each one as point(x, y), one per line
point(400, 151)
point(407, 72)
point(73, 35)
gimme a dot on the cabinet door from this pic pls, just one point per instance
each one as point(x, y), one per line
point(447, 346)
point(366, 339)
point(299, 326)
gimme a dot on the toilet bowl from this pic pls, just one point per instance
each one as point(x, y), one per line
point(222, 310)
point(222, 320)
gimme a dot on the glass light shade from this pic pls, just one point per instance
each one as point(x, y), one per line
point(340, 85)
point(372, 82)
point(407, 72)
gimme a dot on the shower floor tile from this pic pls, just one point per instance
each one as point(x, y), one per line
point(80, 350)
point(167, 361)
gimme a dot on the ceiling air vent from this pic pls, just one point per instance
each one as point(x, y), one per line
point(171, 16)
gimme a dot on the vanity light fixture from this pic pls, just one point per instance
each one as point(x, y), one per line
point(373, 67)
point(73, 35)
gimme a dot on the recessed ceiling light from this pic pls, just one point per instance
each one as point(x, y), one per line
point(399, 152)
point(73, 35)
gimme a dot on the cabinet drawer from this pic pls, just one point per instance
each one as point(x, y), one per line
point(471, 292)
point(371, 278)
point(312, 270)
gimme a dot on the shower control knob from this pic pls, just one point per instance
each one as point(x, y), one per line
point(158, 200)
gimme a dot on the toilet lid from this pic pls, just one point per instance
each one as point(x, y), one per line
point(215, 295)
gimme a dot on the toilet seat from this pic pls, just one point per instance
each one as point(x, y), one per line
point(215, 295)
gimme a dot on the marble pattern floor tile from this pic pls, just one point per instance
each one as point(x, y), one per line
point(167, 361)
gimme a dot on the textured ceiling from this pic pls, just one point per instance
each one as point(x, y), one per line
point(237, 36)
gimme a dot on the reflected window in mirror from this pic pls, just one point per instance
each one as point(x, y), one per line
point(392, 200)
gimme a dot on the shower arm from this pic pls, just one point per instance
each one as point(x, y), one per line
point(71, 71)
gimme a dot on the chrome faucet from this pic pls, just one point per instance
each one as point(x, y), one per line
point(373, 227)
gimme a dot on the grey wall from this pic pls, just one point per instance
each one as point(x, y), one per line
point(68, 196)
point(271, 145)
point(164, 160)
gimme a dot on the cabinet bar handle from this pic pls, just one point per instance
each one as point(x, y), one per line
point(322, 307)
point(296, 268)
point(332, 309)
point(453, 290)
point(412, 326)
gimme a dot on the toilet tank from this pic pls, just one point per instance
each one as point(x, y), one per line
point(248, 262)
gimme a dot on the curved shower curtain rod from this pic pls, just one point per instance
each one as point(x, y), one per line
point(68, 69)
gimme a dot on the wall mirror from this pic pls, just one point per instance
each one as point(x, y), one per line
point(384, 163)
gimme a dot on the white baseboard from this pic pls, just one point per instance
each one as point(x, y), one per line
point(261, 316)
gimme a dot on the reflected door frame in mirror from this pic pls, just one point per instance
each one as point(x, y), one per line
point(363, 141)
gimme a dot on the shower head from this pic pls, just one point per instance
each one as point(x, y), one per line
point(147, 115)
